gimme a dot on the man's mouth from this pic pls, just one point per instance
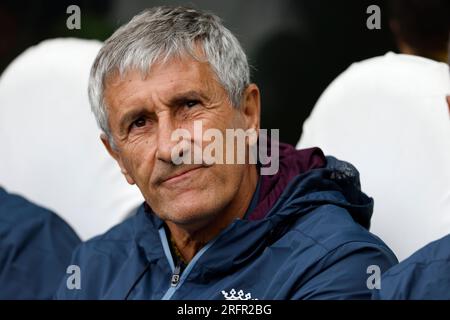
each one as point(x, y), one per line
point(181, 175)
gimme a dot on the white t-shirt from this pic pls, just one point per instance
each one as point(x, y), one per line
point(389, 117)
point(51, 152)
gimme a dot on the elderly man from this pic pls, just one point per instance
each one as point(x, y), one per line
point(220, 230)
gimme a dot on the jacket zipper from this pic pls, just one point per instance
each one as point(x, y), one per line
point(176, 276)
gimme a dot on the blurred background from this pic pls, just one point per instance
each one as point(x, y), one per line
point(296, 48)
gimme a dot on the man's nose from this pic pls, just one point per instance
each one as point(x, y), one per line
point(165, 145)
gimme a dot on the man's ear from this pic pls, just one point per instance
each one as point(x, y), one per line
point(251, 107)
point(113, 152)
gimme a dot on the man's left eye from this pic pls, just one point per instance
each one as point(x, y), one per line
point(191, 103)
point(138, 123)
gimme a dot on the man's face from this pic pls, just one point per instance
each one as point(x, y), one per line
point(144, 111)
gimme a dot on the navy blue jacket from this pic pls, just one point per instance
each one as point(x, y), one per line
point(35, 249)
point(425, 275)
point(312, 244)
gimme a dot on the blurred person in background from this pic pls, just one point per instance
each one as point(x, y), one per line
point(425, 275)
point(389, 116)
point(421, 28)
point(35, 249)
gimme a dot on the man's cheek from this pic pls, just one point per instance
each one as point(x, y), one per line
point(137, 171)
point(140, 160)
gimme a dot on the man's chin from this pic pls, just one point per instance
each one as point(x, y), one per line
point(190, 220)
point(186, 210)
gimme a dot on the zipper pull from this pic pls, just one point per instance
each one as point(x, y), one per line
point(175, 276)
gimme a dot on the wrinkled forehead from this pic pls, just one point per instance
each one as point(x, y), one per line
point(164, 81)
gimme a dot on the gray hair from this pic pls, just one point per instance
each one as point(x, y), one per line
point(160, 33)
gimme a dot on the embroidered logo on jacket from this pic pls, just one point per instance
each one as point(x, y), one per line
point(240, 295)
